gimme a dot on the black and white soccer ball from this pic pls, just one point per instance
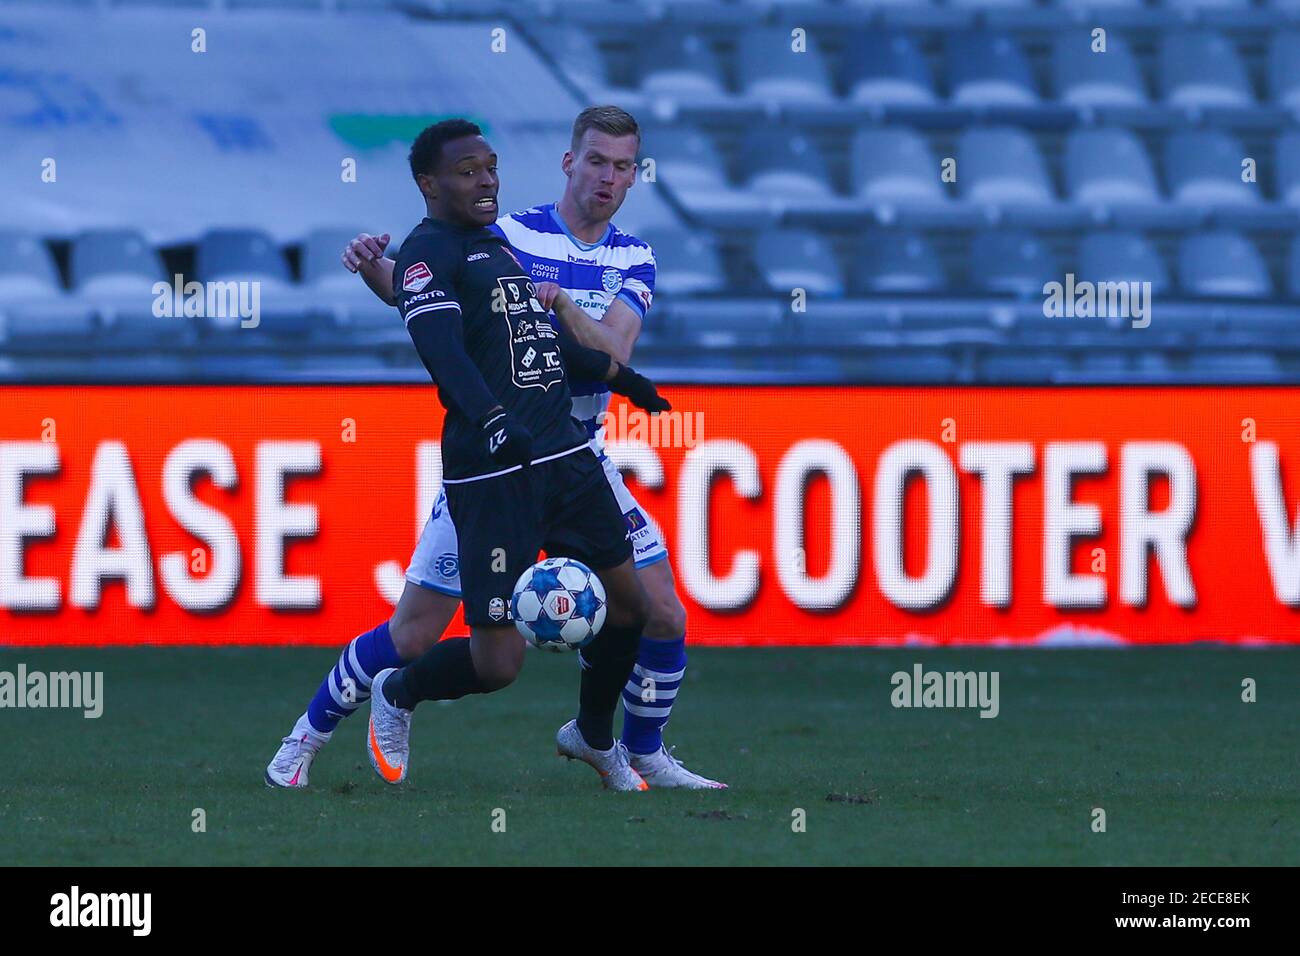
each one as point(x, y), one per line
point(559, 604)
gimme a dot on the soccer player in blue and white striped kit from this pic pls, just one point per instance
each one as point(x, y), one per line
point(599, 281)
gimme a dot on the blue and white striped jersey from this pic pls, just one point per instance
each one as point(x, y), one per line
point(619, 266)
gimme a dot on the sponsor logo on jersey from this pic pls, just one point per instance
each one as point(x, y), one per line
point(477, 256)
point(447, 565)
point(416, 277)
point(635, 520)
point(529, 356)
point(496, 609)
point(612, 280)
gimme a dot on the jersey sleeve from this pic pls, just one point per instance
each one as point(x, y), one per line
point(424, 279)
point(639, 284)
point(424, 283)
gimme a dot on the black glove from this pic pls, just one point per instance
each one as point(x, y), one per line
point(642, 392)
point(507, 441)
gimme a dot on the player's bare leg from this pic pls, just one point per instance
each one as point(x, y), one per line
point(606, 666)
point(419, 620)
point(652, 688)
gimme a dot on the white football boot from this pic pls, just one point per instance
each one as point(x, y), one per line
point(615, 771)
point(388, 741)
point(291, 764)
point(662, 770)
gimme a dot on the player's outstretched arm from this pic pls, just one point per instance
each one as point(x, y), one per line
point(364, 255)
point(593, 365)
point(615, 334)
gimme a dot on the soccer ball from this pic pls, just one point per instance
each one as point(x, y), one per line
point(559, 604)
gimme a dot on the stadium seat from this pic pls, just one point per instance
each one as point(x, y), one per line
point(681, 66)
point(892, 263)
point(1222, 265)
point(35, 312)
point(1202, 69)
point(1203, 167)
point(1293, 270)
point(1108, 166)
point(686, 263)
point(251, 256)
point(894, 165)
point(115, 271)
point(1122, 257)
point(1012, 263)
point(576, 52)
point(1287, 163)
point(988, 69)
point(791, 259)
point(1108, 170)
point(1001, 165)
point(333, 291)
point(887, 69)
point(27, 269)
point(771, 71)
point(1085, 78)
point(785, 164)
point(1284, 69)
point(111, 261)
point(689, 163)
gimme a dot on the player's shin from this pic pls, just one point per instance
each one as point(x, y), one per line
point(650, 692)
point(443, 672)
point(347, 686)
point(606, 667)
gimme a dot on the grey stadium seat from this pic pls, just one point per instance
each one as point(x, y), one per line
point(770, 70)
point(1082, 77)
point(988, 69)
point(1012, 263)
point(1222, 264)
point(798, 259)
point(686, 263)
point(887, 69)
point(1202, 69)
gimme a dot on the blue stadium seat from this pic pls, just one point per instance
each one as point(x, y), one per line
point(1202, 69)
point(115, 271)
point(784, 163)
point(689, 163)
point(1108, 166)
point(887, 69)
point(771, 71)
point(1081, 77)
point(251, 256)
point(576, 52)
point(27, 268)
point(1012, 263)
point(686, 263)
point(791, 259)
point(1222, 265)
point(892, 164)
point(1230, 368)
point(680, 66)
point(240, 253)
point(988, 69)
point(893, 263)
point(1284, 69)
point(1287, 163)
point(1203, 167)
point(1122, 257)
point(1190, 5)
point(1001, 165)
point(35, 313)
point(334, 293)
point(1293, 270)
point(735, 324)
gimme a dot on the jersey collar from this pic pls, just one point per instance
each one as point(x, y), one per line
point(554, 210)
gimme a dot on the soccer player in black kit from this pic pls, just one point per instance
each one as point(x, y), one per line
point(518, 470)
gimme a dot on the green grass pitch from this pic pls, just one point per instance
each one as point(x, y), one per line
point(1159, 738)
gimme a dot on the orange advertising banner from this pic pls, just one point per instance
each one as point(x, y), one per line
point(794, 515)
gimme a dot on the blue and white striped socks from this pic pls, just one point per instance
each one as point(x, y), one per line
point(649, 694)
point(347, 686)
